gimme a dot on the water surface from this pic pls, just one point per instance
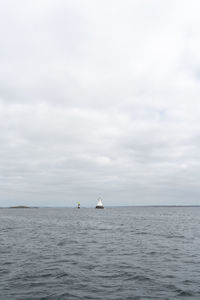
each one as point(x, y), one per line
point(115, 253)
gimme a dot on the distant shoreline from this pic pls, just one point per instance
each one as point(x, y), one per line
point(20, 206)
point(29, 207)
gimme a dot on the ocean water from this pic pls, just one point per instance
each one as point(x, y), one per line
point(115, 253)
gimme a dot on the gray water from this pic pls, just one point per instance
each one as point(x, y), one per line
point(115, 253)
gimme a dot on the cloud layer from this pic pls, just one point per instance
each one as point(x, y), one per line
point(99, 98)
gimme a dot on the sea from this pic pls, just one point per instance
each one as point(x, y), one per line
point(113, 253)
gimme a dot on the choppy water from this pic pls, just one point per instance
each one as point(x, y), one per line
point(115, 253)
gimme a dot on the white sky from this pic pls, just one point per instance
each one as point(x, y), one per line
point(99, 97)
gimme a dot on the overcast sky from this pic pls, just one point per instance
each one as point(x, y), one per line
point(99, 97)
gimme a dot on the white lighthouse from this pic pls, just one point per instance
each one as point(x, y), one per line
point(99, 204)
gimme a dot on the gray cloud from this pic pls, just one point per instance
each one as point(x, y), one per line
point(99, 97)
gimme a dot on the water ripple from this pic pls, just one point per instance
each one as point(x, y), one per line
point(121, 253)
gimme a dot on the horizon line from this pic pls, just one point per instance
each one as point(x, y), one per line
point(115, 206)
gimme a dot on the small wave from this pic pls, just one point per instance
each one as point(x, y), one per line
point(62, 243)
point(46, 275)
point(185, 294)
point(138, 278)
point(179, 292)
point(65, 295)
point(7, 263)
point(153, 253)
point(171, 236)
point(62, 274)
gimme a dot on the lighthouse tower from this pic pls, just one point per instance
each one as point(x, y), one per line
point(99, 204)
